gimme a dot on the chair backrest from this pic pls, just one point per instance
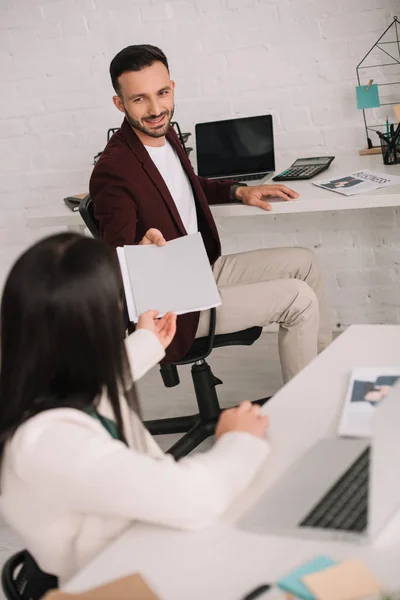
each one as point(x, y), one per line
point(86, 210)
point(22, 579)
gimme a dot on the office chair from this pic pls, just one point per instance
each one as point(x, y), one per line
point(86, 210)
point(22, 579)
point(196, 428)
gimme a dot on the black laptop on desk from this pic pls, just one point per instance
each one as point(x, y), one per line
point(240, 149)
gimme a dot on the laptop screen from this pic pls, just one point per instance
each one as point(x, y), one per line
point(235, 147)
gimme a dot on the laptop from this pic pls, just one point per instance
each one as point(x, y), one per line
point(238, 149)
point(341, 489)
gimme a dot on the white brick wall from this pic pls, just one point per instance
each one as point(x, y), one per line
point(293, 58)
point(359, 252)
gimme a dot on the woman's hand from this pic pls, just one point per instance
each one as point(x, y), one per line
point(163, 328)
point(246, 417)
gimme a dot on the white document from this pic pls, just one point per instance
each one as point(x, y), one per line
point(368, 386)
point(176, 277)
point(358, 183)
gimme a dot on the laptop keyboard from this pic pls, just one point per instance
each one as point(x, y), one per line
point(246, 177)
point(344, 506)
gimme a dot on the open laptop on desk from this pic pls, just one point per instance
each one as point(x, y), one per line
point(341, 489)
point(239, 149)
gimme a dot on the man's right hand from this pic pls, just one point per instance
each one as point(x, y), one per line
point(153, 236)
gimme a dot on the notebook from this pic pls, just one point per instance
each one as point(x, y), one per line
point(176, 277)
point(132, 587)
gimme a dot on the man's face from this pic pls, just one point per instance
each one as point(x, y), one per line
point(147, 99)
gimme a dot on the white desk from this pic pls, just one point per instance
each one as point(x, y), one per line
point(56, 216)
point(226, 563)
point(315, 199)
point(312, 198)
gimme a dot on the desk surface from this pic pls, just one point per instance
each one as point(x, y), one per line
point(312, 198)
point(226, 563)
point(315, 199)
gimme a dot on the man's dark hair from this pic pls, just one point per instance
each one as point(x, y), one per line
point(135, 58)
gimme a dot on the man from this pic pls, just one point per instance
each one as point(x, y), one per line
point(145, 191)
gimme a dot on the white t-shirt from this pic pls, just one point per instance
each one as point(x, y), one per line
point(171, 170)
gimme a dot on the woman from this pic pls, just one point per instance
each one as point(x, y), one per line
point(77, 465)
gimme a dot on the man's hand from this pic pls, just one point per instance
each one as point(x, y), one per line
point(163, 328)
point(255, 195)
point(153, 236)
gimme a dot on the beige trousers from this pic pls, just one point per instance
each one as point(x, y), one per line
point(274, 285)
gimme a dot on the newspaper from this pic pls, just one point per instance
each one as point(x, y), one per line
point(367, 388)
point(358, 182)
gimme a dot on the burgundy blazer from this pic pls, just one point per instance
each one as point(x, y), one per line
point(130, 197)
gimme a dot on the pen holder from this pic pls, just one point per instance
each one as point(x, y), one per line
point(390, 150)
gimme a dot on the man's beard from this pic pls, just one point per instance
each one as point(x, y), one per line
point(155, 132)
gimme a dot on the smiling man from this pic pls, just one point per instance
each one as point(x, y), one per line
point(145, 191)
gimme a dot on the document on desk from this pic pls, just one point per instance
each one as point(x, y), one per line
point(367, 388)
point(359, 182)
point(175, 277)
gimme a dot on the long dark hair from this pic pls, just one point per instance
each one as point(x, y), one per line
point(62, 332)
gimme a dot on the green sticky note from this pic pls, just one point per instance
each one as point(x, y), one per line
point(367, 99)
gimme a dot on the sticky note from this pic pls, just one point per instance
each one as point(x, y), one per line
point(292, 582)
point(348, 580)
point(368, 99)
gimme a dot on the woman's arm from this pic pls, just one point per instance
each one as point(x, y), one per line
point(144, 351)
point(79, 467)
point(147, 349)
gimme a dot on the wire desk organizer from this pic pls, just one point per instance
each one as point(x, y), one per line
point(182, 136)
point(387, 49)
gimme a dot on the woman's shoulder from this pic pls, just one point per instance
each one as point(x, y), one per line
point(47, 418)
point(33, 431)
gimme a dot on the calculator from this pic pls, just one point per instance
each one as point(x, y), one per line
point(305, 168)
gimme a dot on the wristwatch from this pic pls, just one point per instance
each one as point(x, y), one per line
point(233, 189)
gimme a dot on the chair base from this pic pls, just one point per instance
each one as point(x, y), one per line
point(198, 427)
point(195, 429)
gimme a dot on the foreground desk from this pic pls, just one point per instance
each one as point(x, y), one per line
point(312, 198)
point(225, 563)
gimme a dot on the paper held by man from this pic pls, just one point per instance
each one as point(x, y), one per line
point(176, 277)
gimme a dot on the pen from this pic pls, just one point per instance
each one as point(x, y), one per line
point(257, 591)
point(387, 126)
point(397, 132)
